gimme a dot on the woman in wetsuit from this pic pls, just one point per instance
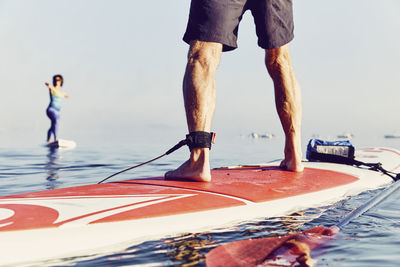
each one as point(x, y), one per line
point(53, 110)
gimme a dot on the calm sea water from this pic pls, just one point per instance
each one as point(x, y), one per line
point(371, 240)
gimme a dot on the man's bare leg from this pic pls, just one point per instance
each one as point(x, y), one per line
point(199, 98)
point(288, 104)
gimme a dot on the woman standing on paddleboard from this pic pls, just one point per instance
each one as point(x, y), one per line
point(53, 110)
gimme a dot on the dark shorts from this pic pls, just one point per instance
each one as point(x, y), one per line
point(218, 21)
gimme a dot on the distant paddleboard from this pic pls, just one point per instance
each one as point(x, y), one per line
point(62, 143)
point(392, 136)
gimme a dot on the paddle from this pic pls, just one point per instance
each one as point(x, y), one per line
point(290, 249)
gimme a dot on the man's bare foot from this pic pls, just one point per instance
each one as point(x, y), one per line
point(187, 172)
point(293, 155)
point(197, 168)
point(293, 166)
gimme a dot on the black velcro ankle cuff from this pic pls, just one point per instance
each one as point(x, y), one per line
point(200, 140)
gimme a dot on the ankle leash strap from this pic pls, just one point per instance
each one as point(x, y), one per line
point(200, 140)
point(196, 139)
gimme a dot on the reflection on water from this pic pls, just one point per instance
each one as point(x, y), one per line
point(189, 250)
point(52, 167)
point(51, 164)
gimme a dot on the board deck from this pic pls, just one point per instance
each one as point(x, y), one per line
point(105, 217)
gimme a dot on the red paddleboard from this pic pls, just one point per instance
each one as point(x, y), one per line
point(101, 218)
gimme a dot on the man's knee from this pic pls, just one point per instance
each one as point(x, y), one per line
point(207, 54)
point(277, 59)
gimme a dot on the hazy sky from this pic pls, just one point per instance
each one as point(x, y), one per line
point(123, 63)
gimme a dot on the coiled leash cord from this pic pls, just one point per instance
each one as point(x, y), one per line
point(193, 140)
